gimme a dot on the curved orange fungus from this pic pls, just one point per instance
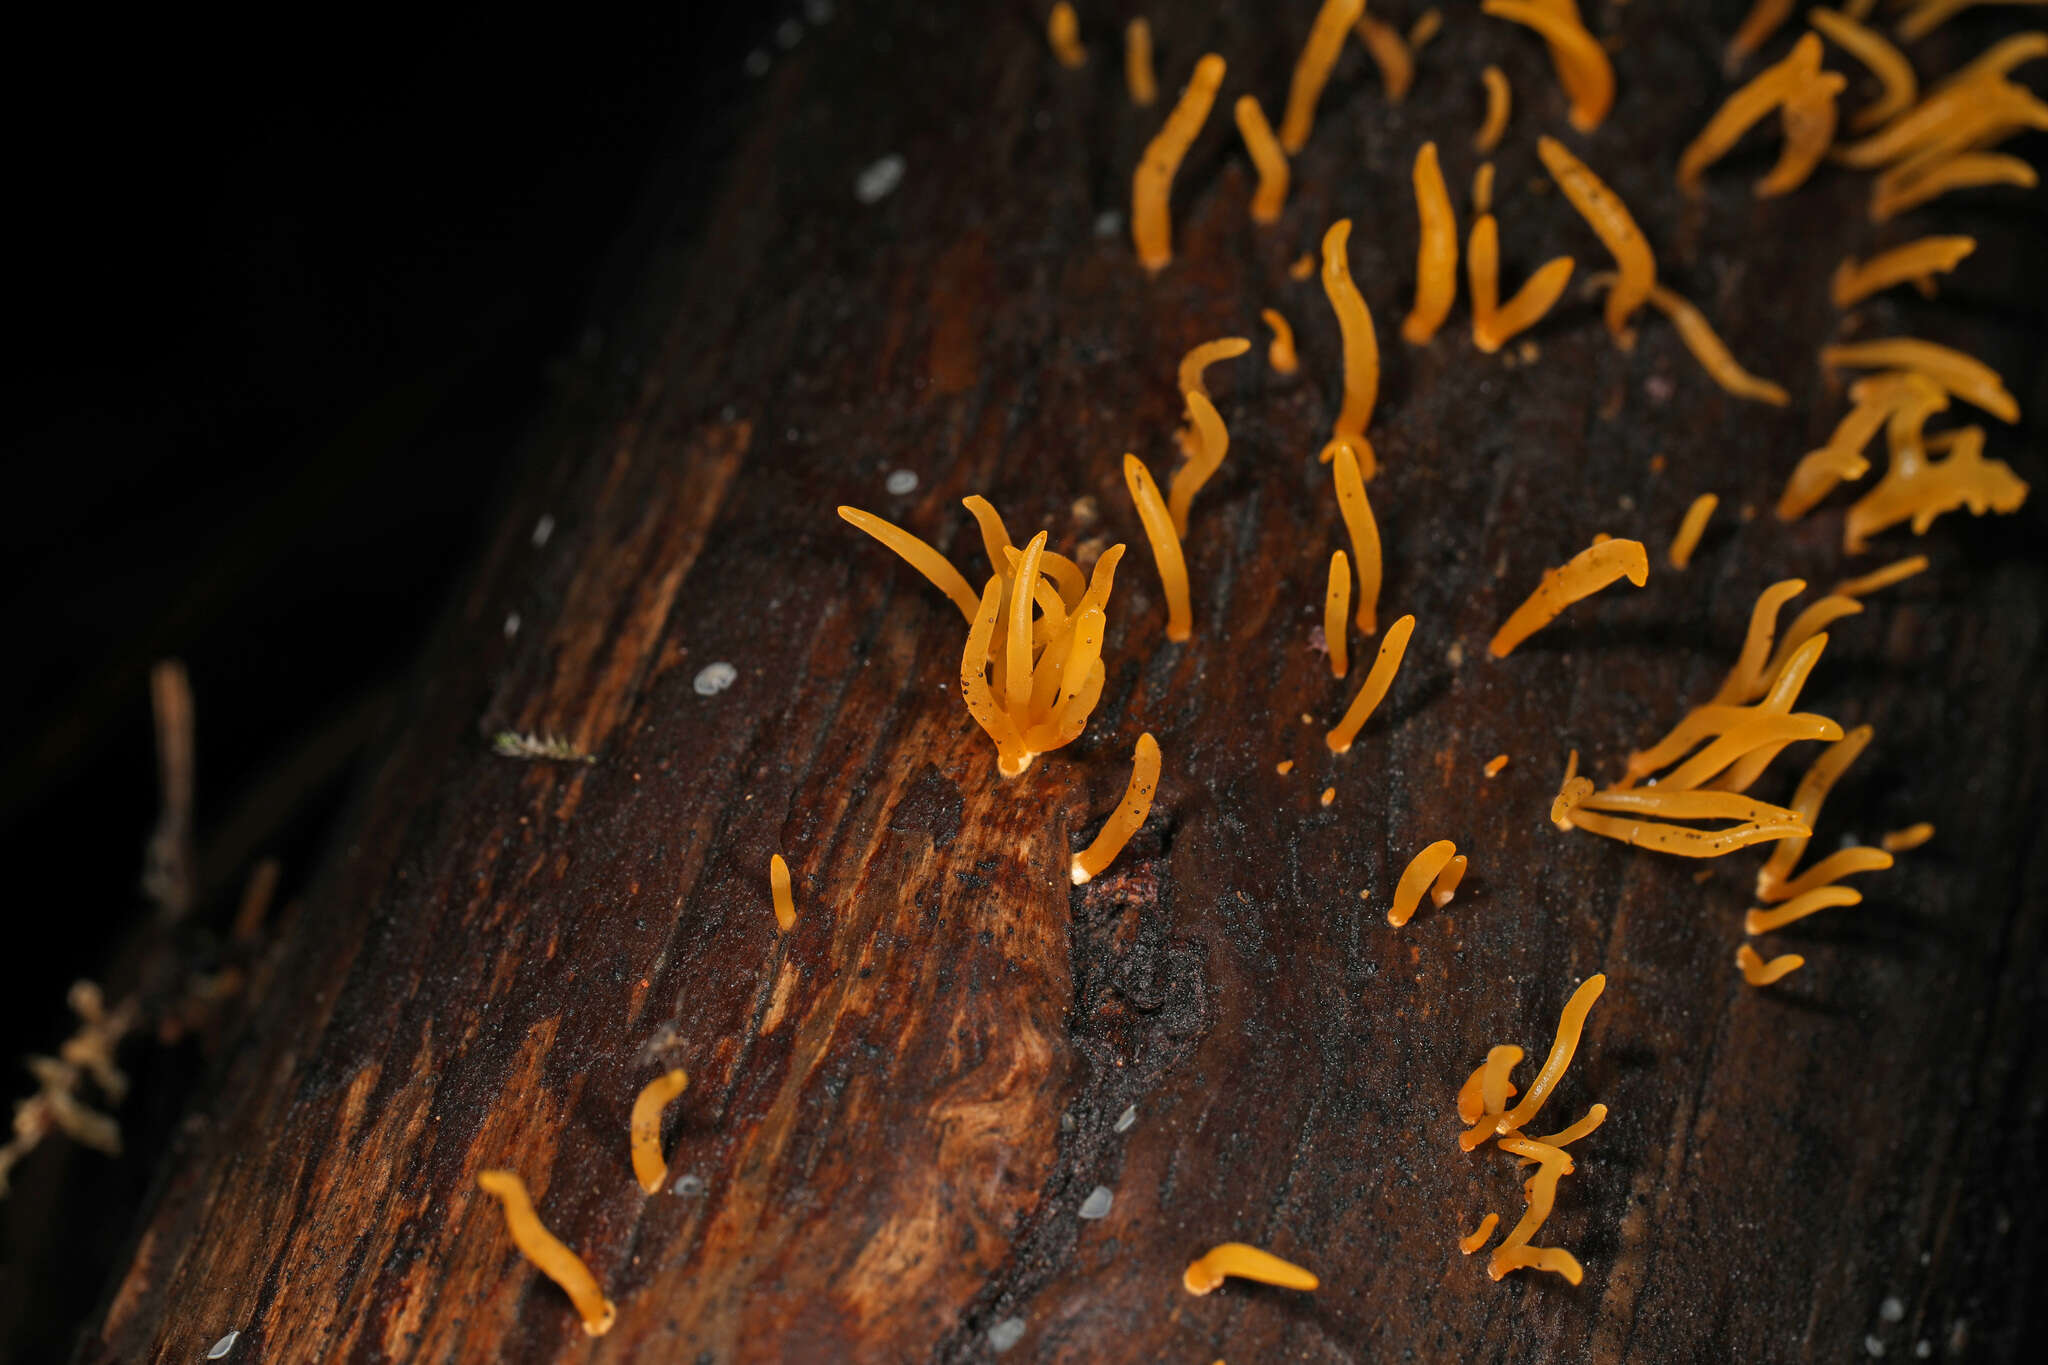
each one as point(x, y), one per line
point(1584, 574)
point(1361, 349)
point(1436, 264)
point(1312, 69)
point(1758, 972)
point(650, 1167)
point(1581, 63)
point(1152, 182)
point(1375, 687)
point(1635, 266)
point(1128, 816)
point(1267, 159)
point(1916, 262)
point(1499, 101)
point(1244, 1262)
point(547, 1252)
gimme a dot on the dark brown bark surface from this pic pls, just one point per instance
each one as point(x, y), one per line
point(896, 1111)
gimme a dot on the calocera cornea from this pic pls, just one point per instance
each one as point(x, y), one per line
point(1916, 262)
point(1063, 35)
point(779, 893)
point(1280, 354)
point(1499, 101)
point(1138, 78)
point(1312, 69)
point(1267, 159)
point(1635, 267)
point(1581, 63)
point(650, 1167)
point(1361, 351)
point(1690, 528)
point(1585, 573)
point(1374, 689)
point(1389, 52)
point(1758, 972)
point(547, 1252)
point(1893, 71)
point(1364, 530)
point(1126, 819)
point(1152, 181)
point(1240, 1260)
point(1803, 94)
point(1436, 265)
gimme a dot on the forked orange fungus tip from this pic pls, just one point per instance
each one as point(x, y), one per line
point(1244, 1262)
point(1758, 972)
point(547, 1252)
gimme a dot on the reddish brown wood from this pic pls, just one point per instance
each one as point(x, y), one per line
point(896, 1112)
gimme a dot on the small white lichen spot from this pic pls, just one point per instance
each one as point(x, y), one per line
point(715, 678)
point(1005, 1334)
point(511, 625)
point(901, 481)
point(1874, 1346)
point(880, 179)
point(1109, 223)
point(542, 529)
point(1126, 1119)
point(220, 1348)
point(1893, 1309)
point(689, 1187)
point(1096, 1205)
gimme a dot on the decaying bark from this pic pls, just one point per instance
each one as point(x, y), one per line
point(896, 1112)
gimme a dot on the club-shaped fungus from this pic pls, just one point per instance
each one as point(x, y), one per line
point(1166, 552)
point(1476, 1239)
point(1765, 18)
point(1267, 158)
point(1364, 529)
point(1911, 837)
point(778, 890)
point(1063, 32)
point(1422, 870)
point(920, 556)
point(1712, 353)
point(1964, 376)
point(1758, 972)
point(547, 1253)
point(1581, 63)
point(650, 1167)
point(1426, 26)
point(1280, 354)
point(1691, 528)
point(1896, 192)
point(1361, 349)
point(1389, 52)
point(1499, 102)
point(1128, 816)
point(1758, 920)
point(1152, 182)
point(1635, 267)
point(1584, 574)
point(1236, 1259)
point(1915, 262)
point(1375, 687)
point(1495, 324)
point(1883, 60)
point(1436, 260)
point(1445, 888)
point(1138, 77)
point(1312, 69)
point(1482, 189)
point(1865, 584)
point(1820, 778)
point(1336, 614)
point(1207, 447)
point(1495, 764)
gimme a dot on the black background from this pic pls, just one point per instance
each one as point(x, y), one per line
point(288, 295)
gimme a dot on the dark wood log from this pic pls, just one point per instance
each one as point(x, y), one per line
point(896, 1111)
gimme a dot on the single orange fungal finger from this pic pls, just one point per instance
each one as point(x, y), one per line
point(1914, 262)
point(1447, 881)
point(1336, 611)
point(1482, 188)
point(1364, 529)
point(1138, 77)
point(1361, 348)
point(1166, 551)
point(1375, 687)
point(1871, 582)
point(1236, 1259)
point(1280, 354)
point(547, 1252)
point(1421, 871)
point(778, 890)
point(1267, 158)
point(1758, 972)
point(1128, 817)
point(1063, 32)
point(1635, 266)
point(1582, 65)
point(1569, 1026)
point(1894, 73)
point(1476, 1239)
point(650, 1167)
point(1556, 1260)
point(1761, 921)
point(920, 556)
point(1389, 52)
point(1911, 837)
point(1499, 101)
point(1843, 862)
point(1712, 353)
point(1436, 261)
point(1895, 192)
point(1765, 17)
point(1495, 764)
point(1565, 1137)
point(1152, 182)
point(1210, 444)
point(1691, 528)
point(1584, 574)
point(1965, 376)
point(1312, 69)
point(1426, 26)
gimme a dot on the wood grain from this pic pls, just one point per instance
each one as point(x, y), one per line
point(896, 1112)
